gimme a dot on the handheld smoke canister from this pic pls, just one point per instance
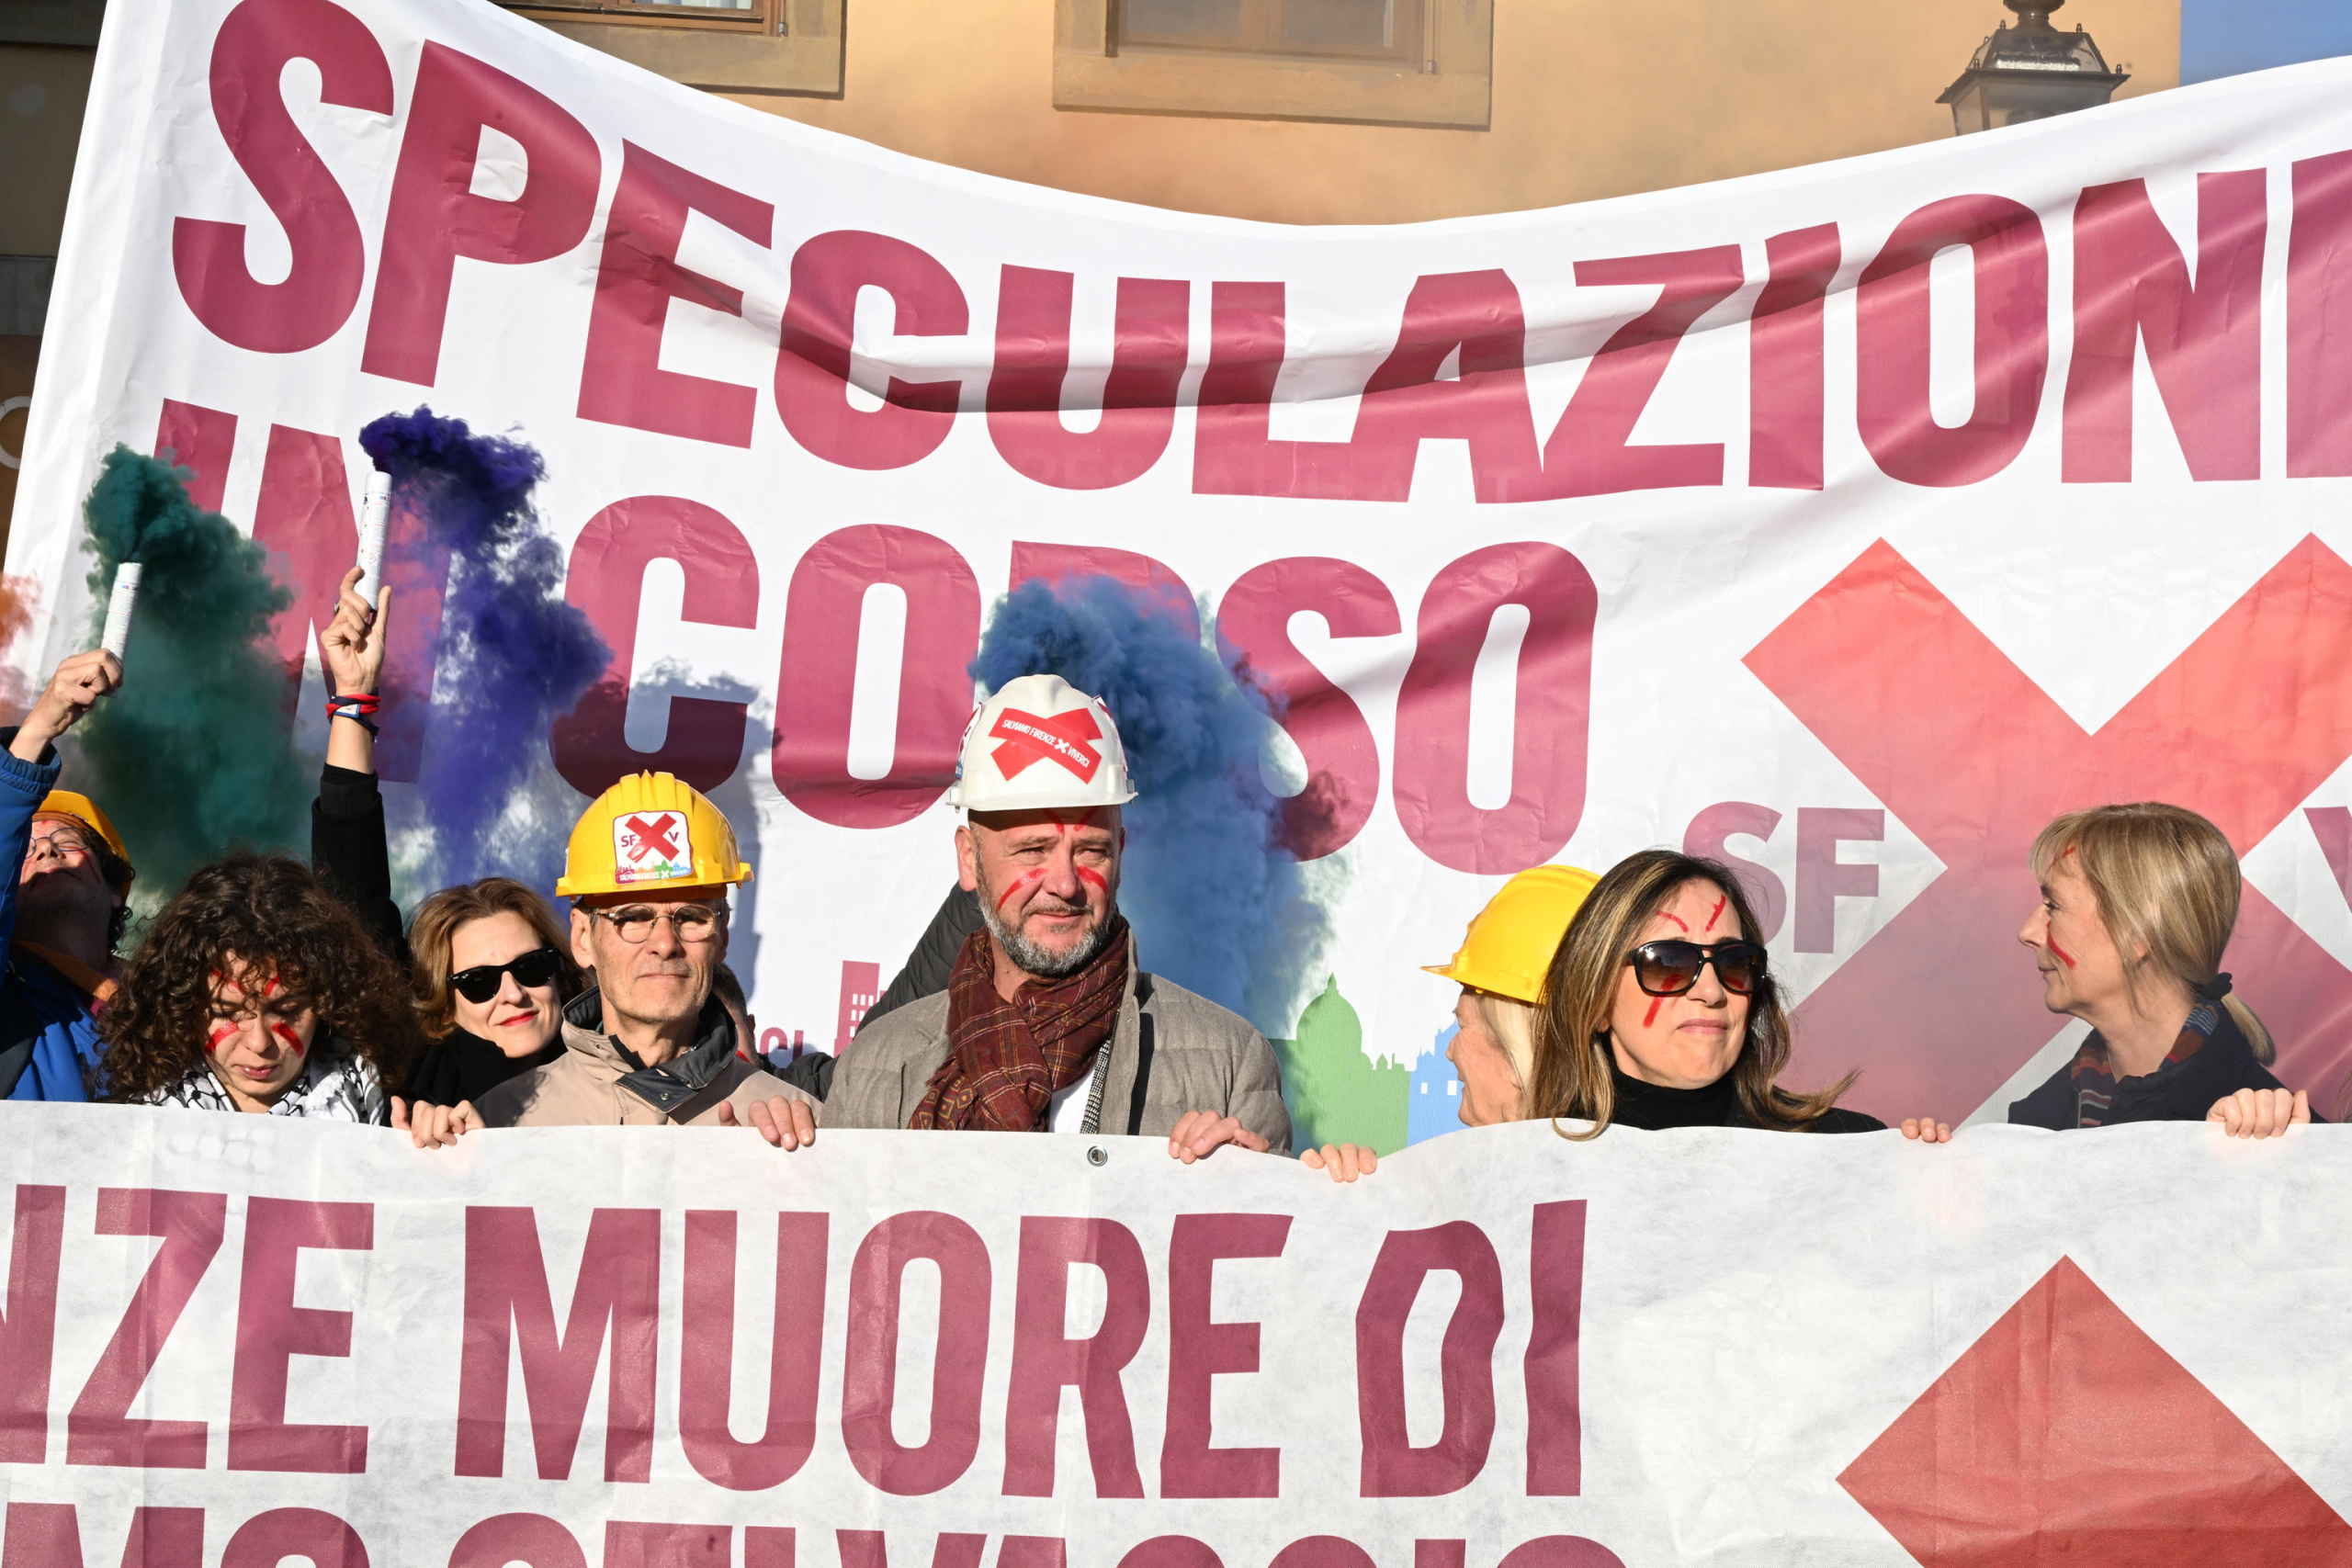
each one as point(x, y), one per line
point(119, 608)
point(374, 519)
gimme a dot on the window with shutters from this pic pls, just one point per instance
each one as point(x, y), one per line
point(735, 46)
point(1381, 61)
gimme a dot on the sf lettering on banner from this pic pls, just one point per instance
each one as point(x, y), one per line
point(302, 1338)
point(1491, 511)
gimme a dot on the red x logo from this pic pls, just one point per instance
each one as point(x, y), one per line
point(1061, 738)
point(655, 836)
point(2010, 1456)
point(1940, 1005)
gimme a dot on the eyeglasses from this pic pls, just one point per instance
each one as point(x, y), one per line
point(483, 981)
point(63, 842)
point(1671, 968)
point(693, 922)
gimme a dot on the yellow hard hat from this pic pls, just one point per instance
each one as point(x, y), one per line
point(83, 809)
point(1511, 942)
point(648, 832)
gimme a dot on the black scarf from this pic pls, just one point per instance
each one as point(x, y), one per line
point(461, 1067)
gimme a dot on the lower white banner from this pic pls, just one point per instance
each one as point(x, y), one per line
point(248, 1341)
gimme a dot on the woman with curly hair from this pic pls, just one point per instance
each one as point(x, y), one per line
point(256, 990)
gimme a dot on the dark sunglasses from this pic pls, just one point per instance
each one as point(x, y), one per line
point(481, 982)
point(1671, 968)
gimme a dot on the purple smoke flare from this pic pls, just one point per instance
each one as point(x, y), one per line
point(511, 656)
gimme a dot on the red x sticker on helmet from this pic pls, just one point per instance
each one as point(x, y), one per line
point(1060, 739)
point(652, 846)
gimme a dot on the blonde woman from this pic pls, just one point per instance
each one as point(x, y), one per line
point(2137, 906)
point(1500, 967)
point(1659, 1011)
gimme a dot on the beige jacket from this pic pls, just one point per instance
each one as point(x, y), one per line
point(1171, 1052)
point(591, 1085)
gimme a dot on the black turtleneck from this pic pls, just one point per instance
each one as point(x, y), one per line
point(1655, 1107)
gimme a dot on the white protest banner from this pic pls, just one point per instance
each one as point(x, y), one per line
point(1850, 521)
point(235, 1339)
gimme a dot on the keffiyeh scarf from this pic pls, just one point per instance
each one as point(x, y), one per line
point(336, 1086)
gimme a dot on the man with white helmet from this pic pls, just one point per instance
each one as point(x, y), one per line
point(1050, 1022)
point(648, 870)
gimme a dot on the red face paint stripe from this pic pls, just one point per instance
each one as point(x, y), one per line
point(1677, 921)
point(1021, 884)
point(286, 1031)
point(220, 1032)
point(1651, 1017)
point(1092, 878)
point(1716, 913)
point(2063, 956)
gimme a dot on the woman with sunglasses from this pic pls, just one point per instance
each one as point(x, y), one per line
point(1660, 1011)
point(488, 973)
point(490, 978)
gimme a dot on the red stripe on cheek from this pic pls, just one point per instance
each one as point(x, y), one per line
point(1021, 884)
point(1651, 1017)
point(2064, 957)
point(1092, 878)
point(220, 1032)
point(286, 1031)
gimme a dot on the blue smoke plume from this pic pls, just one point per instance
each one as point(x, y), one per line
point(192, 757)
point(1218, 905)
point(511, 657)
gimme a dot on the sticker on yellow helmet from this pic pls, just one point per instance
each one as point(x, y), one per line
point(652, 846)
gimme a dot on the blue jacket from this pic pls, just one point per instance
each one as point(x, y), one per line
point(47, 1035)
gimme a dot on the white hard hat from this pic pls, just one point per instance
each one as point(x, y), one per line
point(1038, 743)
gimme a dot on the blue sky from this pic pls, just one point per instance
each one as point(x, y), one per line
point(2222, 38)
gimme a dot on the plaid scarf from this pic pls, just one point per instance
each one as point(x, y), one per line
point(1009, 1059)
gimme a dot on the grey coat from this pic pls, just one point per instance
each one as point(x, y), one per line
point(1171, 1052)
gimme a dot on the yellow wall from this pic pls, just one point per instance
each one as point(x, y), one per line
point(41, 93)
point(1591, 98)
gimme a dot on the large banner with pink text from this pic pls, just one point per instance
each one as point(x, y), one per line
point(1848, 523)
point(238, 1341)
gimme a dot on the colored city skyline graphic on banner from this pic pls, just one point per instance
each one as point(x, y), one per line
point(1335, 1092)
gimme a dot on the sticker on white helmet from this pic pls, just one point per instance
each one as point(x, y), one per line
point(1060, 739)
point(652, 846)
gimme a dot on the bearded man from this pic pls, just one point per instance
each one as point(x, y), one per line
point(1050, 1022)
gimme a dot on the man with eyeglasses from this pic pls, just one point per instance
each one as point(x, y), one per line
point(651, 1044)
point(63, 914)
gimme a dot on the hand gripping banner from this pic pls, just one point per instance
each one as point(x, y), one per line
point(1847, 522)
point(237, 1341)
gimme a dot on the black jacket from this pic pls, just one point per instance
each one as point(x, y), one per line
point(348, 854)
point(1655, 1108)
point(2178, 1091)
point(461, 1067)
point(933, 959)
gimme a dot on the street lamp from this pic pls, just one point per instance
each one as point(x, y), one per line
point(2030, 72)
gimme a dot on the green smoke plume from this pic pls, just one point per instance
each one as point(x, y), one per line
point(194, 756)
